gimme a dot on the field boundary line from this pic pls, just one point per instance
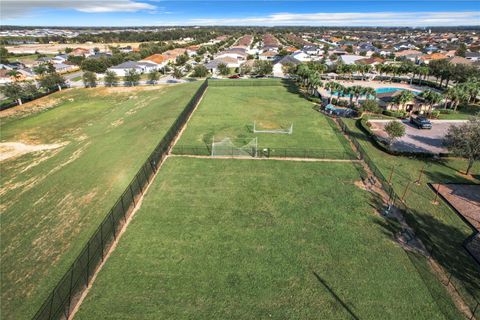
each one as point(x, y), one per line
point(265, 158)
point(137, 207)
point(115, 243)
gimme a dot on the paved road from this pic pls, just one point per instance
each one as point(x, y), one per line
point(419, 140)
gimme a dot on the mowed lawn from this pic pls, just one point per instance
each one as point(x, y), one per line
point(247, 239)
point(53, 200)
point(445, 230)
point(229, 112)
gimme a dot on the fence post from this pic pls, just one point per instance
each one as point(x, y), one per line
point(51, 305)
point(123, 210)
point(88, 263)
point(405, 192)
point(436, 195)
point(113, 225)
point(101, 238)
point(133, 196)
point(70, 293)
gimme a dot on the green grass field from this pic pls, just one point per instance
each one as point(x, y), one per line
point(53, 200)
point(444, 228)
point(248, 239)
point(229, 112)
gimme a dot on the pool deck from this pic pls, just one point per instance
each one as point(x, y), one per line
point(375, 85)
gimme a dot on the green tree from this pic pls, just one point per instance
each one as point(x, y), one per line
point(94, 65)
point(13, 91)
point(223, 69)
point(464, 141)
point(3, 55)
point(200, 71)
point(111, 79)
point(461, 50)
point(177, 73)
point(371, 106)
point(394, 129)
point(15, 74)
point(52, 80)
point(263, 67)
point(68, 50)
point(89, 79)
point(404, 97)
point(132, 77)
point(153, 76)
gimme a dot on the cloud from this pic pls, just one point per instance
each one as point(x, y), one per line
point(407, 19)
point(17, 8)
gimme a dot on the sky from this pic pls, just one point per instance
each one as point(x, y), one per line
point(417, 13)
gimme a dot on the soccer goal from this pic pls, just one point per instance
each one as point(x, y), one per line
point(229, 148)
point(281, 130)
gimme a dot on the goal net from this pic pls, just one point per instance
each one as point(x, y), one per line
point(282, 129)
point(227, 147)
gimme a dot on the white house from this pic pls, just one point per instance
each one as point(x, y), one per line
point(140, 67)
point(267, 55)
point(350, 58)
point(278, 66)
point(212, 66)
point(301, 56)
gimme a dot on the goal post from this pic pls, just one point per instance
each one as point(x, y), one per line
point(234, 148)
point(280, 130)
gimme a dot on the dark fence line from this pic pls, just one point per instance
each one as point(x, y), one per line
point(66, 293)
point(5, 106)
point(265, 152)
point(435, 252)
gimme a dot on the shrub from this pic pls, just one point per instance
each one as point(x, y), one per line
point(372, 106)
point(447, 111)
point(396, 114)
point(434, 114)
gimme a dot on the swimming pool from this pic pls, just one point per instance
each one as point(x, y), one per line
point(389, 89)
point(378, 90)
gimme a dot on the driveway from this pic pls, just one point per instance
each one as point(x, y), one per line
point(418, 140)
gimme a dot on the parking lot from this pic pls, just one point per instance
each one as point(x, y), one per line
point(418, 140)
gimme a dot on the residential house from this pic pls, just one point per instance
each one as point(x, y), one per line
point(230, 62)
point(267, 55)
point(411, 55)
point(301, 56)
point(472, 56)
point(278, 65)
point(140, 67)
point(159, 60)
point(80, 52)
point(350, 58)
point(460, 60)
point(430, 57)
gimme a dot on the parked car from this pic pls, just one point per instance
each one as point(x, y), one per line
point(421, 122)
point(235, 76)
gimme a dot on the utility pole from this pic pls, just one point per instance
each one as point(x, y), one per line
point(406, 190)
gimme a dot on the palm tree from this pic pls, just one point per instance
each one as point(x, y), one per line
point(330, 86)
point(404, 97)
point(369, 93)
point(431, 98)
point(349, 91)
point(313, 82)
point(381, 68)
point(423, 71)
point(15, 74)
point(357, 92)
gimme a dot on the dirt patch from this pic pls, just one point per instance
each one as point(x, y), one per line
point(15, 149)
point(116, 90)
point(360, 184)
point(117, 123)
point(32, 107)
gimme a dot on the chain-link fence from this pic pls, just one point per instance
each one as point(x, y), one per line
point(66, 293)
point(447, 277)
point(266, 152)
